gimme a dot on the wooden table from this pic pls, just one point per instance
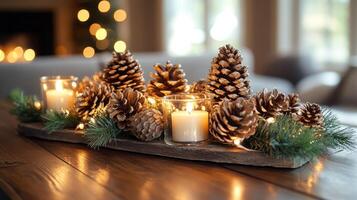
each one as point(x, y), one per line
point(38, 169)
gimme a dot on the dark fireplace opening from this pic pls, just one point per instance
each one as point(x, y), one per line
point(27, 29)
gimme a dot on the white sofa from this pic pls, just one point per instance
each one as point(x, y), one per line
point(26, 75)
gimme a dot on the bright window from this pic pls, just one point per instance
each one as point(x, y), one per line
point(324, 28)
point(196, 26)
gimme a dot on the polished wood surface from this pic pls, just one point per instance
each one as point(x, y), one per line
point(39, 169)
point(210, 152)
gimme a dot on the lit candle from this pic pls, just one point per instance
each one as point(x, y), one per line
point(189, 125)
point(59, 98)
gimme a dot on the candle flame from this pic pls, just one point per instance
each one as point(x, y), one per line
point(37, 105)
point(58, 85)
point(189, 107)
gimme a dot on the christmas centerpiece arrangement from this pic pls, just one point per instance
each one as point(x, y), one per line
point(219, 113)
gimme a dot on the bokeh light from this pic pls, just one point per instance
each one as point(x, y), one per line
point(104, 6)
point(29, 54)
point(2, 55)
point(101, 34)
point(88, 52)
point(94, 28)
point(102, 44)
point(83, 15)
point(120, 15)
point(19, 51)
point(12, 57)
point(119, 46)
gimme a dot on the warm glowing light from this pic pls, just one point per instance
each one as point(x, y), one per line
point(94, 28)
point(88, 52)
point(19, 51)
point(120, 15)
point(12, 57)
point(104, 6)
point(37, 105)
point(102, 176)
point(189, 107)
point(29, 54)
point(2, 55)
point(83, 15)
point(237, 142)
point(271, 120)
point(92, 120)
point(80, 126)
point(101, 34)
point(59, 85)
point(119, 46)
point(151, 100)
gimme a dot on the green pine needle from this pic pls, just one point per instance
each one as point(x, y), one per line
point(286, 138)
point(101, 131)
point(24, 106)
point(54, 120)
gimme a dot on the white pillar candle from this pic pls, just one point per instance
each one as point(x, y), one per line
point(59, 98)
point(189, 126)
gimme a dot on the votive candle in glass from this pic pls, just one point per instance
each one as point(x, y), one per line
point(58, 92)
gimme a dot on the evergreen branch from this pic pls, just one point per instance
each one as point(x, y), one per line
point(24, 106)
point(101, 130)
point(54, 120)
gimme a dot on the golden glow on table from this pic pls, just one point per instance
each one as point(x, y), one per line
point(59, 99)
point(101, 34)
point(88, 52)
point(119, 46)
point(83, 15)
point(104, 6)
point(120, 15)
point(189, 125)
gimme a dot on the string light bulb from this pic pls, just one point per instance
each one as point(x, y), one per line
point(120, 15)
point(29, 54)
point(83, 15)
point(104, 6)
point(101, 34)
point(119, 46)
point(88, 52)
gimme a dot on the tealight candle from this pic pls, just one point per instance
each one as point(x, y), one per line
point(58, 93)
point(186, 118)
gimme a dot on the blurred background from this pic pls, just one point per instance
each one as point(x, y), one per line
point(294, 45)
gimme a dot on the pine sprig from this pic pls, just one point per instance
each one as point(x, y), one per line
point(24, 106)
point(101, 130)
point(58, 120)
point(286, 138)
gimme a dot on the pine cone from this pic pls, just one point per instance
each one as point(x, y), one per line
point(168, 79)
point(311, 115)
point(228, 77)
point(123, 105)
point(147, 125)
point(271, 103)
point(199, 86)
point(123, 71)
point(294, 104)
point(92, 99)
point(231, 120)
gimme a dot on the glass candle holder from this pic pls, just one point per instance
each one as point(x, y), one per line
point(186, 118)
point(58, 92)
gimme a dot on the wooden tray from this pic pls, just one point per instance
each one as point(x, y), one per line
point(211, 152)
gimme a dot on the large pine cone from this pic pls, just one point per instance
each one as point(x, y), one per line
point(123, 71)
point(271, 103)
point(199, 86)
point(231, 120)
point(228, 77)
point(123, 105)
point(311, 115)
point(147, 125)
point(167, 80)
point(92, 99)
point(294, 105)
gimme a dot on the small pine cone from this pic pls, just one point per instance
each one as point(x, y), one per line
point(231, 120)
point(228, 77)
point(311, 115)
point(123, 71)
point(123, 105)
point(199, 86)
point(92, 99)
point(167, 80)
point(147, 125)
point(271, 103)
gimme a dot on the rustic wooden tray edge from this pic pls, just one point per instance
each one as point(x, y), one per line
point(211, 153)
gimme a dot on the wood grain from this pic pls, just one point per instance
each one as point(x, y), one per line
point(210, 152)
